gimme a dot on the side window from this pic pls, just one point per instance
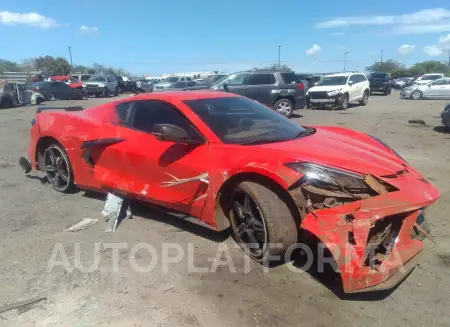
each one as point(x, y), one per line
point(353, 79)
point(364, 79)
point(188, 79)
point(54, 84)
point(122, 111)
point(440, 82)
point(238, 79)
point(262, 79)
point(150, 113)
point(8, 88)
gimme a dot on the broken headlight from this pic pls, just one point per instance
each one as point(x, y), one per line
point(313, 174)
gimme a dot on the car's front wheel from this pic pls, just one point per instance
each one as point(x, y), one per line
point(262, 223)
point(344, 102)
point(416, 95)
point(58, 168)
point(105, 92)
point(284, 107)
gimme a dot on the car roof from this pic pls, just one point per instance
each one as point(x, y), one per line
point(182, 95)
point(342, 74)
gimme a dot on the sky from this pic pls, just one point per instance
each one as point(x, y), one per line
point(151, 37)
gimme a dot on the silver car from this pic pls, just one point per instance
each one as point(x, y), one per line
point(438, 89)
point(168, 81)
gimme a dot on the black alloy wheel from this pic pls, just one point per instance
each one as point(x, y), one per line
point(58, 168)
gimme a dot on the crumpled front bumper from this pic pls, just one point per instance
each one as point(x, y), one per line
point(348, 232)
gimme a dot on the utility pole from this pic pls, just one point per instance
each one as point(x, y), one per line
point(381, 60)
point(449, 58)
point(70, 55)
point(279, 56)
point(345, 61)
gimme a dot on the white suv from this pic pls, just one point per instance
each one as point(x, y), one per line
point(427, 78)
point(338, 90)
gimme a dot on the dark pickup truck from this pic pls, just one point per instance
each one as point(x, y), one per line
point(380, 82)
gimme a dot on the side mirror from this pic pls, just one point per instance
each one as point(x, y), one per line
point(172, 133)
point(225, 87)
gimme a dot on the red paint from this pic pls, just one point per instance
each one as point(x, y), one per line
point(140, 164)
point(69, 80)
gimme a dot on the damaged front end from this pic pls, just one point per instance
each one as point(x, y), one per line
point(373, 225)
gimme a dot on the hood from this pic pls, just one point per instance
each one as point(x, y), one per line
point(94, 82)
point(340, 148)
point(326, 88)
point(165, 84)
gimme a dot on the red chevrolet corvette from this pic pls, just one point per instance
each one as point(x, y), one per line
point(229, 161)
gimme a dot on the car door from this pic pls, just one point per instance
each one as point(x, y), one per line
point(171, 174)
point(238, 83)
point(260, 87)
point(353, 89)
point(20, 91)
point(435, 89)
point(59, 90)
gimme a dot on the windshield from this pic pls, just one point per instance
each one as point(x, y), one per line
point(222, 79)
point(238, 120)
point(97, 79)
point(171, 79)
point(333, 80)
point(377, 75)
point(430, 77)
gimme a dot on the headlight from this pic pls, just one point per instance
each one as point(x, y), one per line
point(387, 147)
point(333, 93)
point(84, 85)
point(332, 176)
point(101, 85)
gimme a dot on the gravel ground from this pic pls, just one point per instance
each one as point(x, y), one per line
point(33, 217)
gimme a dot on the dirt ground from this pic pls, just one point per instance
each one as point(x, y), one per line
point(33, 217)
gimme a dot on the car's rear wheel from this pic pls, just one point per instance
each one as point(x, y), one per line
point(6, 103)
point(365, 99)
point(58, 169)
point(50, 97)
point(284, 107)
point(262, 223)
point(416, 95)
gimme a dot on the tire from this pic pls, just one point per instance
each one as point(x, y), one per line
point(386, 92)
point(284, 107)
point(50, 97)
point(54, 168)
point(275, 218)
point(39, 101)
point(344, 103)
point(416, 95)
point(6, 103)
point(365, 99)
point(116, 92)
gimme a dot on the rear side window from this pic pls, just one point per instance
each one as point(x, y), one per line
point(290, 78)
point(262, 79)
point(122, 110)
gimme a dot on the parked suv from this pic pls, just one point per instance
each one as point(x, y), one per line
point(338, 90)
point(380, 82)
point(101, 85)
point(278, 89)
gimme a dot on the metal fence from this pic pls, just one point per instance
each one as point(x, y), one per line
point(18, 76)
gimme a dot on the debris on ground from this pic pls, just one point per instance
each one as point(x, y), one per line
point(168, 289)
point(81, 224)
point(115, 210)
point(23, 306)
point(416, 121)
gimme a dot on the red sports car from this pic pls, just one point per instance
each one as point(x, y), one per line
point(229, 161)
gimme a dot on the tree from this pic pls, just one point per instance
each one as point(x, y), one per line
point(275, 66)
point(51, 66)
point(9, 66)
point(431, 66)
point(387, 67)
